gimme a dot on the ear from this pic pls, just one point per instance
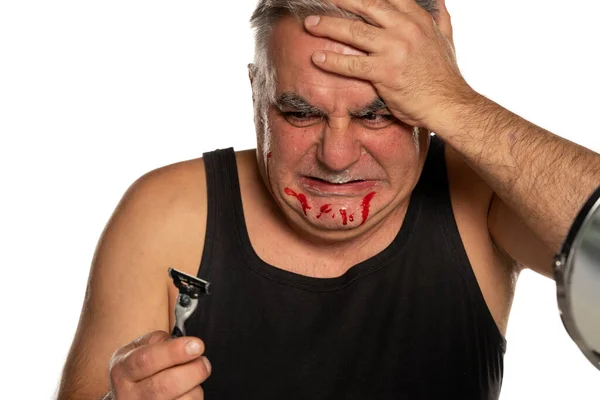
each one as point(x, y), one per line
point(251, 69)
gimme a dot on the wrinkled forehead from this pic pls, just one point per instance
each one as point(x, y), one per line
point(290, 50)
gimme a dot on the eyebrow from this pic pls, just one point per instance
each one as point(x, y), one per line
point(297, 103)
point(293, 101)
point(376, 105)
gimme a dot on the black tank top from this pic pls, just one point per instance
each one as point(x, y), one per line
point(408, 323)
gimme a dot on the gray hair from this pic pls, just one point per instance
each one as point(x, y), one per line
point(266, 15)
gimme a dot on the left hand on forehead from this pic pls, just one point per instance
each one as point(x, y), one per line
point(410, 56)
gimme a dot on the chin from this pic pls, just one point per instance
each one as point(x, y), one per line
point(328, 229)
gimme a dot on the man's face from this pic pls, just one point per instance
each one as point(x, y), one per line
point(334, 159)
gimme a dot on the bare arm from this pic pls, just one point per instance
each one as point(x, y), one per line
point(127, 292)
point(540, 177)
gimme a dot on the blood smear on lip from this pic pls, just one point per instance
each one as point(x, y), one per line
point(344, 217)
point(365, 205)
point(351, 218)
point(301, 198)
point(324, 210)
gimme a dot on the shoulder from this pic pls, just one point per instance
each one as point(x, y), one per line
point(174, 197)
point(158, 223)
point(169, 201)
point(170, 187)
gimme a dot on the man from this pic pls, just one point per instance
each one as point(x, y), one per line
point(353, 255)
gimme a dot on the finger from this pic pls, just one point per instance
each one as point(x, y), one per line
point(355, 33)
point(148, 338)
point(408, 6)
point(150, 359)
point(376, 12)
point(196, 393)
point(360, 67)
point(176, 381)
point(151, 338)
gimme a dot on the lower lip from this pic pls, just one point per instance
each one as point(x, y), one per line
point(353, 188)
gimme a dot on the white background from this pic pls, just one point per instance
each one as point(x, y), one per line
point(95, 94)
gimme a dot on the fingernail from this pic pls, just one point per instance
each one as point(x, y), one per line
point(192, 348)
point(312, 20)
point(207, 363)
point(319, 57)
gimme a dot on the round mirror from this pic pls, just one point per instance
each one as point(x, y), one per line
point(577, 274)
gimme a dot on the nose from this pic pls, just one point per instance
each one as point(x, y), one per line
point(339, 147)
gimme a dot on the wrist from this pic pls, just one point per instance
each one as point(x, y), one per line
point(458, 114)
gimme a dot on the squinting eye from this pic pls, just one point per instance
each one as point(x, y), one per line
point(377, 121)
point(301, 119)
point(298, 114)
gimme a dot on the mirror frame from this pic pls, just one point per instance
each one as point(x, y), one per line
point(563, 265)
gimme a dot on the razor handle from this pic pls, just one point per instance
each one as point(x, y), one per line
point(190, 289)
point(186, 305)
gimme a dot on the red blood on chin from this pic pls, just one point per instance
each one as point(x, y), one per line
point(365, 205)
point(301, 198)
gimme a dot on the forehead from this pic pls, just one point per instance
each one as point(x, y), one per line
point(291, 48)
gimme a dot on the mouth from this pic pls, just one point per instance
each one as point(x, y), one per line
point(350, 187)
point(336, 183)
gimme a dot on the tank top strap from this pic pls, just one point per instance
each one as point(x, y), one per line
point(221, 195)
point(433, 178)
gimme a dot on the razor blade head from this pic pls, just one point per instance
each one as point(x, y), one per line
point(190, 285)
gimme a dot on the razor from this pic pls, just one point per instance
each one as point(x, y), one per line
point(190, 289)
